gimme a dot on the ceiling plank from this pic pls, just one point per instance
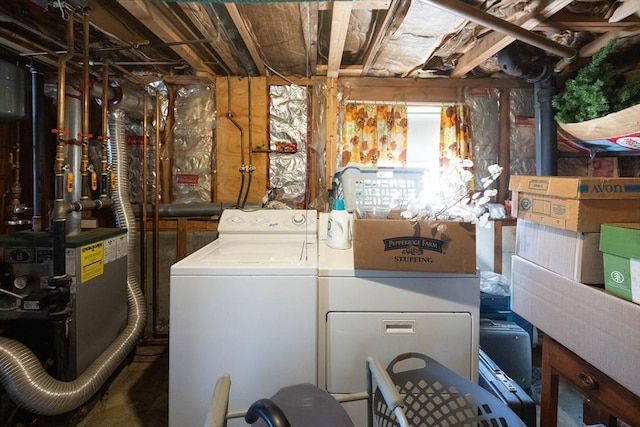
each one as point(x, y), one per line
point(245, 33)
point(381, 33)
point(358, 4)
point(156, 17)
point(102, 17)
point(309, 14)
point(202, 21)
point(494, 42)
point(592, 24)
point(340, 16)
point(591, 48)
point(42, 56)
point(625, 9)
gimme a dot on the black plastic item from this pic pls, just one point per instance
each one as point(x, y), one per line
point(267, 410)
point(306, 405)
point(510, 347)
point(434, 395)
point(495, 305)
point(498, 383)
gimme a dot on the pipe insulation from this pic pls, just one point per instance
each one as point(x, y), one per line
point(22, 375)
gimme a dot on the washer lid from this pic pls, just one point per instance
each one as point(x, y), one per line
point(252, 255)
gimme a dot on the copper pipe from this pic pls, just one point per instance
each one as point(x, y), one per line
point(143, 234)
point(156, 222)
point(38, 52)
point(62, 75)
point(84, 162)
point(241, 129)
point(104, 172)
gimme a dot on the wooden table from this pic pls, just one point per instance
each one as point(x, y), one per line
point(594, 385)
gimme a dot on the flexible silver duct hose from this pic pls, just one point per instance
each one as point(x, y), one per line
point(21, 373)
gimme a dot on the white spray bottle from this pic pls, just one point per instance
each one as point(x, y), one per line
point(339, 226)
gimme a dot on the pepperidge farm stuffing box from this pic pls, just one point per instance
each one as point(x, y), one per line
point(422, 246)
point(620, 246)
point(575, 203)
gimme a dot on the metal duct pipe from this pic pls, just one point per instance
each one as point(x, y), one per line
point(546, 128)
point(59, 227)
point(189, 209)
point(505, 27)
point(73, 155)
point(122, 98)
point(518, 61)
point(22, 375)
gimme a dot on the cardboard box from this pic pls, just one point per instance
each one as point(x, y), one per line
point(600, 328)
point(424, 246)
point(575, 203)
point(620, 246)
point(573, 254)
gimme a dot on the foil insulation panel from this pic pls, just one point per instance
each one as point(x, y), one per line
point(484, 106)
point(288, 136)
point(193, 144)
point(135, 157)
point(522, 138)
point(318, 147)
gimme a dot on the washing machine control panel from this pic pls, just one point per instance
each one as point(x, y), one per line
point(268, 221)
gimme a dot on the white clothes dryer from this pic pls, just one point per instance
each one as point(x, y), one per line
point(382, 314)
point(245, 304)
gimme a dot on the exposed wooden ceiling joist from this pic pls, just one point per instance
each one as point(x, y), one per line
point(160, 20)
point(358, 4)
point(625, 9)
point(340, 16)
point(378, 37)
point(309, 12)
point(593, 24)
point(245, 34)
point(359, 38)
point(493, 43)
point(201, 20)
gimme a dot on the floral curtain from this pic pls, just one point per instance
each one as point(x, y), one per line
point(374, 134)
point(456, 154)
point(455, 140)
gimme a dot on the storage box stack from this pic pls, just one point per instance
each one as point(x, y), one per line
point(563, 222)
point(559, 220)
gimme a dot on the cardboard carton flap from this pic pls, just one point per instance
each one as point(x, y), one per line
point(621, 239)
point(577, 187)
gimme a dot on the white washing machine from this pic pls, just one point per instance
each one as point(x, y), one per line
point(245, 304)
point(385, 313)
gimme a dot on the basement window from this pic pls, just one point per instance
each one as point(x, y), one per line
point(423, 136)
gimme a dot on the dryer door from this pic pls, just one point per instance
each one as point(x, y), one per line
point(353, 336)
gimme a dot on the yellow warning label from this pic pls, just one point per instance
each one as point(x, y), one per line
point(91, 261)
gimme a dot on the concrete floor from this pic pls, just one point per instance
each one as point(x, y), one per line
point(138, 395)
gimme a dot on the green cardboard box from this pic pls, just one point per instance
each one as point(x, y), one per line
point(620, 246)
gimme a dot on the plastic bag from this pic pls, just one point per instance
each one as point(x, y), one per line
point(494, 283)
